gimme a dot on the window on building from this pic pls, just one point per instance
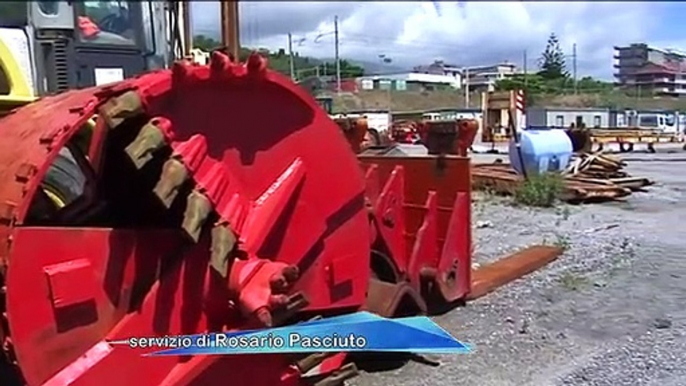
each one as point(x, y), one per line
point(596, 121)
point(106, 22)
point(560, 121)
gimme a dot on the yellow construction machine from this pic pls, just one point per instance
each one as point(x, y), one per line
point(47, 47)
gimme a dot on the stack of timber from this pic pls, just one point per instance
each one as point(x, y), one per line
point(589, 177)
point(603, 169)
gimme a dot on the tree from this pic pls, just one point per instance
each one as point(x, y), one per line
point(552, 62)
point(205, 43)
point(531, 84)
point(588, 84)
point(348, 70)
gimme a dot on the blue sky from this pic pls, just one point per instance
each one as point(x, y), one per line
point(672, 16)
point(464, 33)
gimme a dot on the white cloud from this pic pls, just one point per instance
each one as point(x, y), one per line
point(470, 33)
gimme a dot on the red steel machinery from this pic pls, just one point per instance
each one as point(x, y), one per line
point(357, 133)
point(405, 131)
point(439, 137)
point(210, 198)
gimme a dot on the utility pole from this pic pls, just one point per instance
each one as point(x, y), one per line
point(290, 54)
point(574, 67)
point(338, 60)
point(466, 88)
point(526, 72)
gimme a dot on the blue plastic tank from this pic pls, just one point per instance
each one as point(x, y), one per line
point(542, 151)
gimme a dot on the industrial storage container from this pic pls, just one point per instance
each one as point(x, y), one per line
point(542, 151)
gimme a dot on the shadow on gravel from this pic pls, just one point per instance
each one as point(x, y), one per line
point(373, 362)
point(440, 308)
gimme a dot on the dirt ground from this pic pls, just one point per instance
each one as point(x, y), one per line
point(610, 311)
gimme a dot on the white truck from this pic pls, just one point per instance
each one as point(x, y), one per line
point(663, 122)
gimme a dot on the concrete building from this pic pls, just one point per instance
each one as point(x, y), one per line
point(651, 71)
point(479, 78)
point(408, 81)
point(483, 78)
point(439, 67)
point(563, 117)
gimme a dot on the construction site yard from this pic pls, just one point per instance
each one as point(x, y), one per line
point(609, 311)
point(444, 99)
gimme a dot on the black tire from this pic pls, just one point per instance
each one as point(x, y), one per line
point(65, 178)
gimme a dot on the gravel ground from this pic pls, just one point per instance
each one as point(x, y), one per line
point(610, 311)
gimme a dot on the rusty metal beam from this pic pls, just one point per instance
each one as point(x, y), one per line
point(492, 276)
point(230, 27)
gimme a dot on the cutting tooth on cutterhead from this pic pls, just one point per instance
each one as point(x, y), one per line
point(311, 361)
point(148, 140)
point(174, 174)
point(117, 110)
point(198, 207)
point(223, 242)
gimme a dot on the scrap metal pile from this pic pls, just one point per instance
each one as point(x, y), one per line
point(589, 177)
point(214, 198)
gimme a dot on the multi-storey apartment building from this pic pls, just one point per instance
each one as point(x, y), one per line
point(651, 71)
